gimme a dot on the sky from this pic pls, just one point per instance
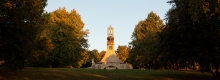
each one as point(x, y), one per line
point(123, 15)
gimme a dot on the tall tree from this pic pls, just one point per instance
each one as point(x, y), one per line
point(20, 22)
point(65, 29)
point(44, 45)
point(192, 33)
point(144, 39)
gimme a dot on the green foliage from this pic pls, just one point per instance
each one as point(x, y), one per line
point(65, 30)
point(144, 41)
point(192, 34)
point(20, 23)
point(96, 55)
point(123, 52)
point(93, 55)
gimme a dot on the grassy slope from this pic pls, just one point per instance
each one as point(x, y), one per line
point(96, 74)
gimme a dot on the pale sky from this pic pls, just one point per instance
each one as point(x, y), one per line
point(123, 15)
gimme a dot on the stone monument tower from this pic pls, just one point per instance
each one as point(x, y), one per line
point(110, 59)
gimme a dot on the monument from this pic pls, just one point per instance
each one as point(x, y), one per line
point(110, 59)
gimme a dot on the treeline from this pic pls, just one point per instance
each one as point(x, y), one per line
point(29, 36)
point(190, 38)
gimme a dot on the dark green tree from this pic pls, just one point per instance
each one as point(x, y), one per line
point(144, 40)
point(20, 22)
point(65, 29)
point(192, 34)
point(96, 55)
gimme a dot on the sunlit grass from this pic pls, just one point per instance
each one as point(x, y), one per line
point(97, 74)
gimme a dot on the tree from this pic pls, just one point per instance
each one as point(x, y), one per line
point(96, 55)
point(123, 52)
point(65, 29)
point(144, 40)
point(20, 23)
point(192, 34)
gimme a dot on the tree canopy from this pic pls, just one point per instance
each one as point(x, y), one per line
point(144, 41)
point(20, 23)
point(192, 34)
point(31, 37)
point(123, 52)
point(65, 29)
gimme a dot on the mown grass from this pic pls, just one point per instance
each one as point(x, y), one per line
point(97, 74)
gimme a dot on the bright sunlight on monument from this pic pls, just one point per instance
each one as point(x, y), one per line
point(110, 60)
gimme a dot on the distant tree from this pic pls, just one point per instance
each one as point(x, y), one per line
point(144, 40)
point(93, 55)
point(123, 52)
point(20, 23)
point(88, 62)
point(96, 55)
point(65, 29)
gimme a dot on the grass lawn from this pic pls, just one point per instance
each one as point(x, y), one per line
point(97, 74)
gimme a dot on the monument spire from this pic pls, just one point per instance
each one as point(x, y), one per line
point(110, 38)
point(110, 59)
